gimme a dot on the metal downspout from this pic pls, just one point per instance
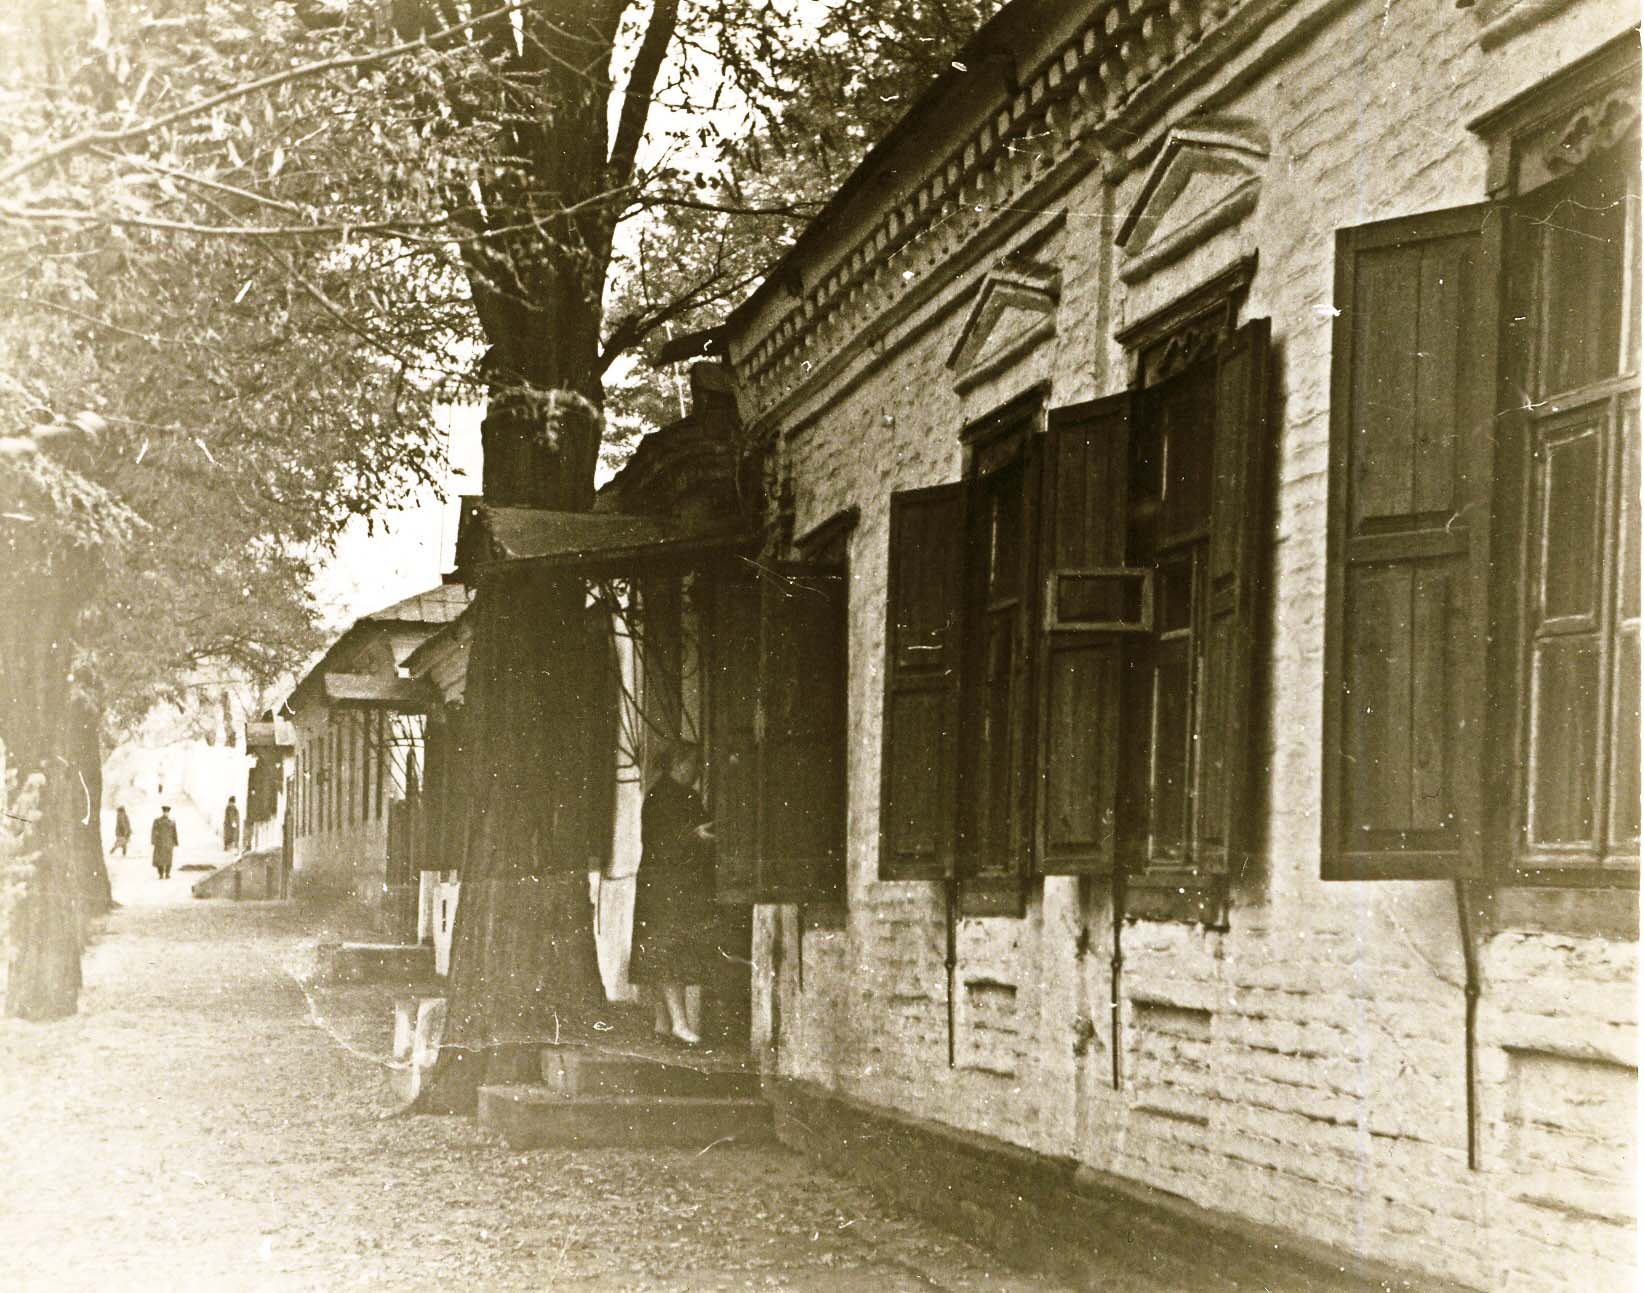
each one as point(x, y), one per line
point(950, 963)
point(1116, 967)
point(1471, 990)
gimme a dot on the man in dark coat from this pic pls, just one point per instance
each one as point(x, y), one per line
point(231, 825)
point(122, 831)
point(163, 836)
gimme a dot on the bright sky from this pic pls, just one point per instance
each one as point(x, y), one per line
point(407, 549)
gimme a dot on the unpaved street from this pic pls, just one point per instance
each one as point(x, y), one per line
point(213, 1119)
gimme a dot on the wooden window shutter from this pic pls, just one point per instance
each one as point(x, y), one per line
point(919, 753)
point(731, 605)
point(1406, 617)
point(1090, 603)
point(800, 731)
point(1226, 781)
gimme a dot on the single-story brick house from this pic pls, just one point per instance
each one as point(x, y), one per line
point(1197, 762)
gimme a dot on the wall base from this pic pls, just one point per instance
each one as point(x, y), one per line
point(1054, 1215)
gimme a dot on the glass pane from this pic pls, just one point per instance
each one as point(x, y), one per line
point(1624, 750)
point(1563, 744)
point(1176, 594)
point(1583, 256)
point(993, 743)
point(1627, 567)
point(1187, 412)
point(1571, 470)
point(1172, 705)
point(1005, 533)
point(1099, 599)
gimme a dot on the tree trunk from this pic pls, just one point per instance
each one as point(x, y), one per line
point(43, 970)
point(524, 965)
point(90, 864)
point(524, 968)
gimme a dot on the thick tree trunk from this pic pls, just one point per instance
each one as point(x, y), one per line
point(524, 968)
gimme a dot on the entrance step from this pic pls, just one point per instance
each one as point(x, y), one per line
point(376, 962)
point(531, 1116)
point(579, 1071)
point(254, 876)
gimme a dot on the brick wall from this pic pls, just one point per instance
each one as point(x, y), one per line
point(1304, 1067)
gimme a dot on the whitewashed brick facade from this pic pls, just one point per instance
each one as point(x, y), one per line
point(1304, 1067)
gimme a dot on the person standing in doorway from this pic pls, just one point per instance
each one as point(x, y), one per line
point(163, 836)
point(231, 825)
point(122, 831)
point(674, 916)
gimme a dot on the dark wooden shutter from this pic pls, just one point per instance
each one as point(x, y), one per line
point(919, 752)
point(1090, 603)
point(1226, 785)
point(1406, 617)
point(800, 730)
point(731, 603)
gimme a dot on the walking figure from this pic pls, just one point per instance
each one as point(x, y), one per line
point(122, 831)
point(231, 825)
point(163, 836)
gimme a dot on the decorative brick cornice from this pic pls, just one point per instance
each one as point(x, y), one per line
point(1117, 70)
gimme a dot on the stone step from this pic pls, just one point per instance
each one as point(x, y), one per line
point(578, 1071)
point(531, 1116)
point(377, 962)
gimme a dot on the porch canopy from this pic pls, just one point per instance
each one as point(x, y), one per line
point(369, 691)
point(593, 543)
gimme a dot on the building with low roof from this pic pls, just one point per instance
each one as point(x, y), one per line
point(1221, 422)
point(357, 721)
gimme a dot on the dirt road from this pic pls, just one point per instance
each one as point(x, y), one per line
point(214, 1120)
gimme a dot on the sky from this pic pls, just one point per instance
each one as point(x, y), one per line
point(403, 551)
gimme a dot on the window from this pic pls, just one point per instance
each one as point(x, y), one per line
point(776, 669)
point(995, 712)
point(1569, 484)
point(1090, 656)
point(1482, 605)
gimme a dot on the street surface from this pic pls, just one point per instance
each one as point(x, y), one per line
point(215, 1119)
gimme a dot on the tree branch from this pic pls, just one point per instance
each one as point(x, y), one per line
point(92, 138)
point(636, 97)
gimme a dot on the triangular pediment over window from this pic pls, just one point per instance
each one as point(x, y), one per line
point(1014, 310)
point(1207, 176)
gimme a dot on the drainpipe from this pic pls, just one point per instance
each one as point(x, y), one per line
point(1116, 967)
point(1470, 988)
point(950, 888)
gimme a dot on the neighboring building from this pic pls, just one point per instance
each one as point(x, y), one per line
point(435, 823)
point(1213, 430)
point(271, 743)
point(358, 720)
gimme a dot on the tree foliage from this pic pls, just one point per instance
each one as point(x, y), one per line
point(257, 241)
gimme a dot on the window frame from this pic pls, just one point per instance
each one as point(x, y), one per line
point(1543, 137)
point(994, 874)
point(1536, 410)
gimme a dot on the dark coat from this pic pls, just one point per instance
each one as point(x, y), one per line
point(676, 923)
point(122, 825)
point(163, 836)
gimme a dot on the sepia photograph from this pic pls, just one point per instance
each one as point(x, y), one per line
point(987, 646)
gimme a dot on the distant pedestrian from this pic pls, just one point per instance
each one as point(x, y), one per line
point(231, 825)
point(676, 924)
point(122, 831)
point(163, 836)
